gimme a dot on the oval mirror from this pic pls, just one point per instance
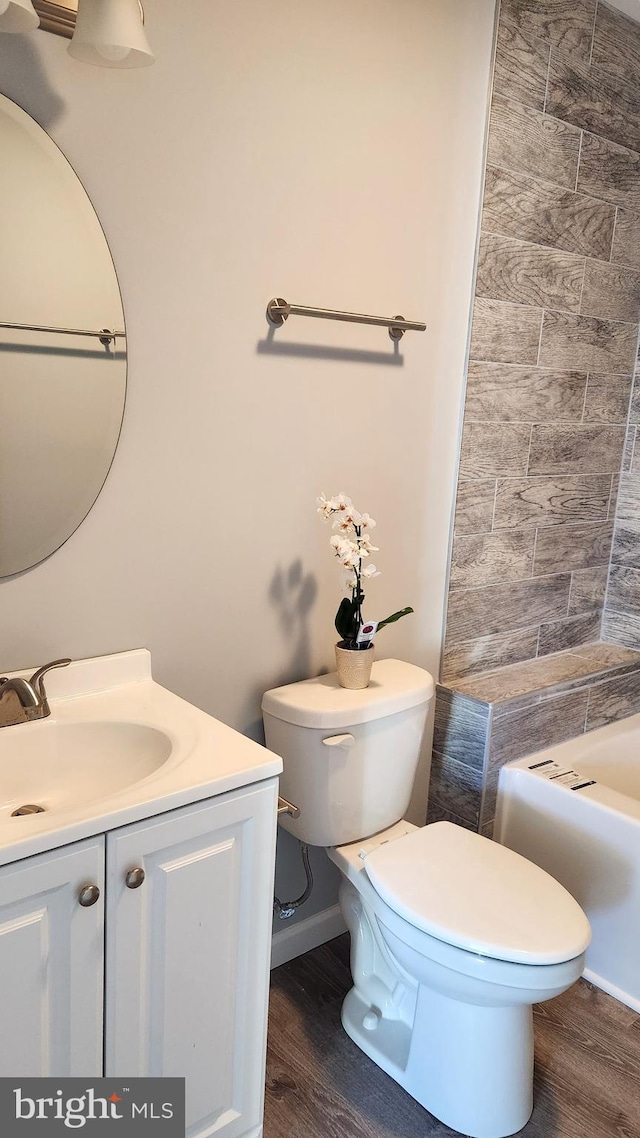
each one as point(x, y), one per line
point(62, 347)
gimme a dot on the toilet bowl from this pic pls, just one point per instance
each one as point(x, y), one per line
point(453, 937)
point(448, 1021)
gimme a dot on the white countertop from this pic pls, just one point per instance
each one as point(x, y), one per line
point(207, 758)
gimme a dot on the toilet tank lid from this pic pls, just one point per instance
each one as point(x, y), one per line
point(321, 702)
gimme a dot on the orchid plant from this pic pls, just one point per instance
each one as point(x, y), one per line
point(352, 546)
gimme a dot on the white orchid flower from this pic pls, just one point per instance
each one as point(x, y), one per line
point(338, 544)
point(351, 559)
point(366, 547)
point(346, 520)
point(346, 550)
point(325, 507)
point(353, 547)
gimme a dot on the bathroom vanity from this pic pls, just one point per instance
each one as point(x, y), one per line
point(135, 922)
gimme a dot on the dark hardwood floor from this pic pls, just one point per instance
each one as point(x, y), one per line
point(320, 1085)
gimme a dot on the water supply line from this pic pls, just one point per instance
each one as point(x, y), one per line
point(286, 909)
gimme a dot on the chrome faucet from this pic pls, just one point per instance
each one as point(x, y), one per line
point(31, 695)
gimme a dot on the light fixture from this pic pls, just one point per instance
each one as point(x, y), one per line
point(18, 16)
point(110, 33)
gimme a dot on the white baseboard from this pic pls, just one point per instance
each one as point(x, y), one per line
point(290, 942)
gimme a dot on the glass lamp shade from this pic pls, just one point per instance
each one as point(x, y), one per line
point(18, 16)
point(110, 33)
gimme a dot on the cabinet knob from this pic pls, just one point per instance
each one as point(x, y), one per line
point(88, 895)
point(134, 878)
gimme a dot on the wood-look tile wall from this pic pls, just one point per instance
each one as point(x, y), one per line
point(553, 345)
point(621, 622)
point(488, 720)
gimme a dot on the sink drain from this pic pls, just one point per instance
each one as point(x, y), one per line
point(27, 810)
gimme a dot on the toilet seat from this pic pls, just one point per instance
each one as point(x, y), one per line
point(474, 894)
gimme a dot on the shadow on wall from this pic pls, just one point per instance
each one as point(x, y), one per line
point(272, 347)
point(292, 592)
point(23, 74)
point(71, 353)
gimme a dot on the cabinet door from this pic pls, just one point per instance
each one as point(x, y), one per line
point(188, 955)
point(51, 964)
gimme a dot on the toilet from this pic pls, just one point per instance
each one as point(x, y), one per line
point(453, 937)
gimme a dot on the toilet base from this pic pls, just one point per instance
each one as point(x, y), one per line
point(387, 1043)
point(469, 1065)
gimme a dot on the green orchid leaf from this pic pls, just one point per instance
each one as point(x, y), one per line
point(394, 617)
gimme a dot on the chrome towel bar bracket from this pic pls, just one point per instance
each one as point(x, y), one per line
point(278, 310)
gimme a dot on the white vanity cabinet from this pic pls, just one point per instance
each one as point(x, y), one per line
point(51, 963)
point(187, 966)
point(186, 916)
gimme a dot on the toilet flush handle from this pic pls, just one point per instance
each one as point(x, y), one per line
point(339, 741)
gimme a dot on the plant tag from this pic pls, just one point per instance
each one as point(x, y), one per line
point(367, 631)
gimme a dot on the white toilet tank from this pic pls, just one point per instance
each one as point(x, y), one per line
point(349, 757)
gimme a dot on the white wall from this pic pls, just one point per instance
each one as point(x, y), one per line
point(326, 152)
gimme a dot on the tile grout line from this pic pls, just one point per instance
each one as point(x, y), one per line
point(613, 502)
point(614, 520)
point(546, 85)
point(613, 236)
point(584, 401)
point(520, 103)
point(533, 559)
point(564, 424)
point(537, 363)
point(546, 183)
point(584, 277)
point(565, 526)
point(556, 688)
point(623, 266)
point(629, 470)
point(539, 580)
point(528, 367)
point(586, 710)
point(596, 673)
point(528, 451)
point(493, 512)
point(488, 231)
point(561, 312)
point(575, 187)
point(551, 474)
point(593, 33)
point(570, 592)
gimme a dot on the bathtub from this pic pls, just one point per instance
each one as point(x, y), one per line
point(574, 809)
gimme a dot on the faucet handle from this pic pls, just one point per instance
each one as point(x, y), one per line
point(37, 677)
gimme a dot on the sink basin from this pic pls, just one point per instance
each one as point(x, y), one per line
point(57, 765)
point(116, 749)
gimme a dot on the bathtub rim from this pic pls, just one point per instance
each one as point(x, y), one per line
point(568, 752)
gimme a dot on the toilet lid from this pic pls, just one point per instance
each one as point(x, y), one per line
point(477, 895)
